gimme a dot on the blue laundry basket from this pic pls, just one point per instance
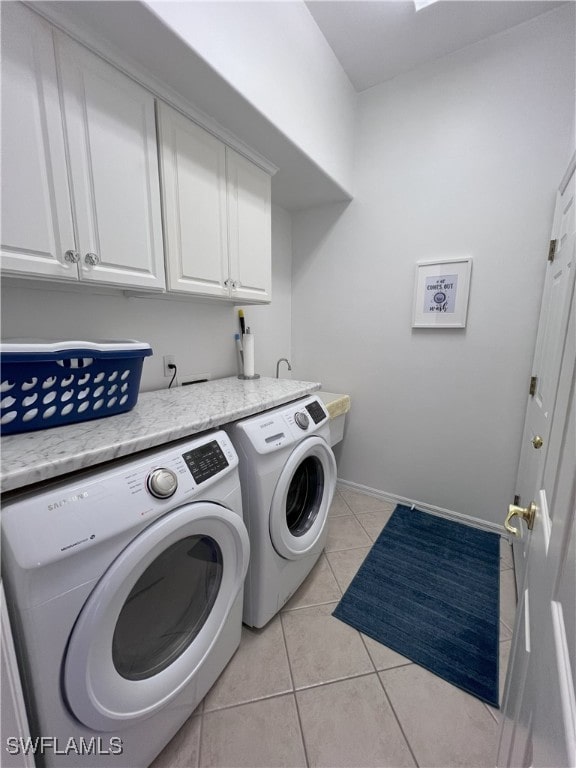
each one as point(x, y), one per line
point(47, 384)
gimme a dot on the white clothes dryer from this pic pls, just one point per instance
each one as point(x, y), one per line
point(125, 588)
point(288, 478)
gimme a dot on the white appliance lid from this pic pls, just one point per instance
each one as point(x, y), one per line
point(67, 345)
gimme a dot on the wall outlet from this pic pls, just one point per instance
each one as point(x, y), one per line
point(169, 360)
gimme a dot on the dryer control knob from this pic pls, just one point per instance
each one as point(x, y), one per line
point(301, 419)
point(162, 483)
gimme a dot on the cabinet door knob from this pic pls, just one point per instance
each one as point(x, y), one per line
point(92, 259)
point(227, 282)
point(72, 257)
point(235, 285)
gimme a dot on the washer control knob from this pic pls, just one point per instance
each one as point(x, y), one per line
point(301, 419)
point(162, 483)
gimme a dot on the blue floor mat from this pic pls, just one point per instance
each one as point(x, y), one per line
point(429, 589)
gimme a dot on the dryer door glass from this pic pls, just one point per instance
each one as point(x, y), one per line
point(167, 607)
point(304, 496)
point(301, 499)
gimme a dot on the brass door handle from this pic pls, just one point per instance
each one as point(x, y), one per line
point(537, 442)
point(526, 513)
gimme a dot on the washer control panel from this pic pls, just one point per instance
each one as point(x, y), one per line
point(162, 483)
point(301, 419)
point(205, 461)
point(68, 516)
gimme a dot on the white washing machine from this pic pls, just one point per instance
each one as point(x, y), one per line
point(125, 589)
point(288, 477)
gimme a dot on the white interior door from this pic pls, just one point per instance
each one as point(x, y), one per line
point(547, 358)
point(539, 723)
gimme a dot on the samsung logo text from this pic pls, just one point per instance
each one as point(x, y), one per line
point(63, 502)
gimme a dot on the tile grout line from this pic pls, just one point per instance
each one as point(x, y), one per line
point(199, 758)
point(386, 669)
point(367, 651)
point(305, 688)
point(344, 500)
point(369, 512)
point(309, 605)
point(303, 740)
point(508, 628)
point(323, 602)
point(358, 515)
point(502, 567)
point(347, 549)
point(332, 682)
point(491, 713)
point(333, 576)
point(389, 700)
point(268, 697)
point(372, 541)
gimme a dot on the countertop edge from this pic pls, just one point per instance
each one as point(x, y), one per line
point(60, 461)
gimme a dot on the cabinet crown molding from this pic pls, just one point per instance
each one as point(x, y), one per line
point(53, 12)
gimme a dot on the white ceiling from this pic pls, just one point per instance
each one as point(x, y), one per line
point(376, 40)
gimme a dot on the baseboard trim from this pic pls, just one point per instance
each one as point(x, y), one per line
point(449, 514)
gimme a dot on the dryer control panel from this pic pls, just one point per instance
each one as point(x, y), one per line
point(316, 410)
point(285, 425)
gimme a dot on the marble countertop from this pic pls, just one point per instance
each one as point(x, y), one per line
point(158, 417)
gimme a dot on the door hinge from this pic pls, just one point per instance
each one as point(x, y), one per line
point(552, 250)
point(533, 383)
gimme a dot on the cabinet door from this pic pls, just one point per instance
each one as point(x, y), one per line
point(114, 170)
point(249, 229)
point(193, 168)
point(36, 215)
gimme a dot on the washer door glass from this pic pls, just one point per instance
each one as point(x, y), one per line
point(150, 623)
point(302, 497)
point(167, 607)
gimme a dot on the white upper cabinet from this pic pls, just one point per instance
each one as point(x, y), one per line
point(103, 224)
point(82, 185)
point(216, 214)
point(193, 166)
point(37, 228)
point(111, 132)
point(249, 228)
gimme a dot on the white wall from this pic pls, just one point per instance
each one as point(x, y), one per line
point(272, 324)
point(274, 54)
point(461, 157)
point(199, 333)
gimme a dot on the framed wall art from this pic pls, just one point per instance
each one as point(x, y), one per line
point(441, 293)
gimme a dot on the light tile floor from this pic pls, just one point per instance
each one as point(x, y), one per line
point(307, 690)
